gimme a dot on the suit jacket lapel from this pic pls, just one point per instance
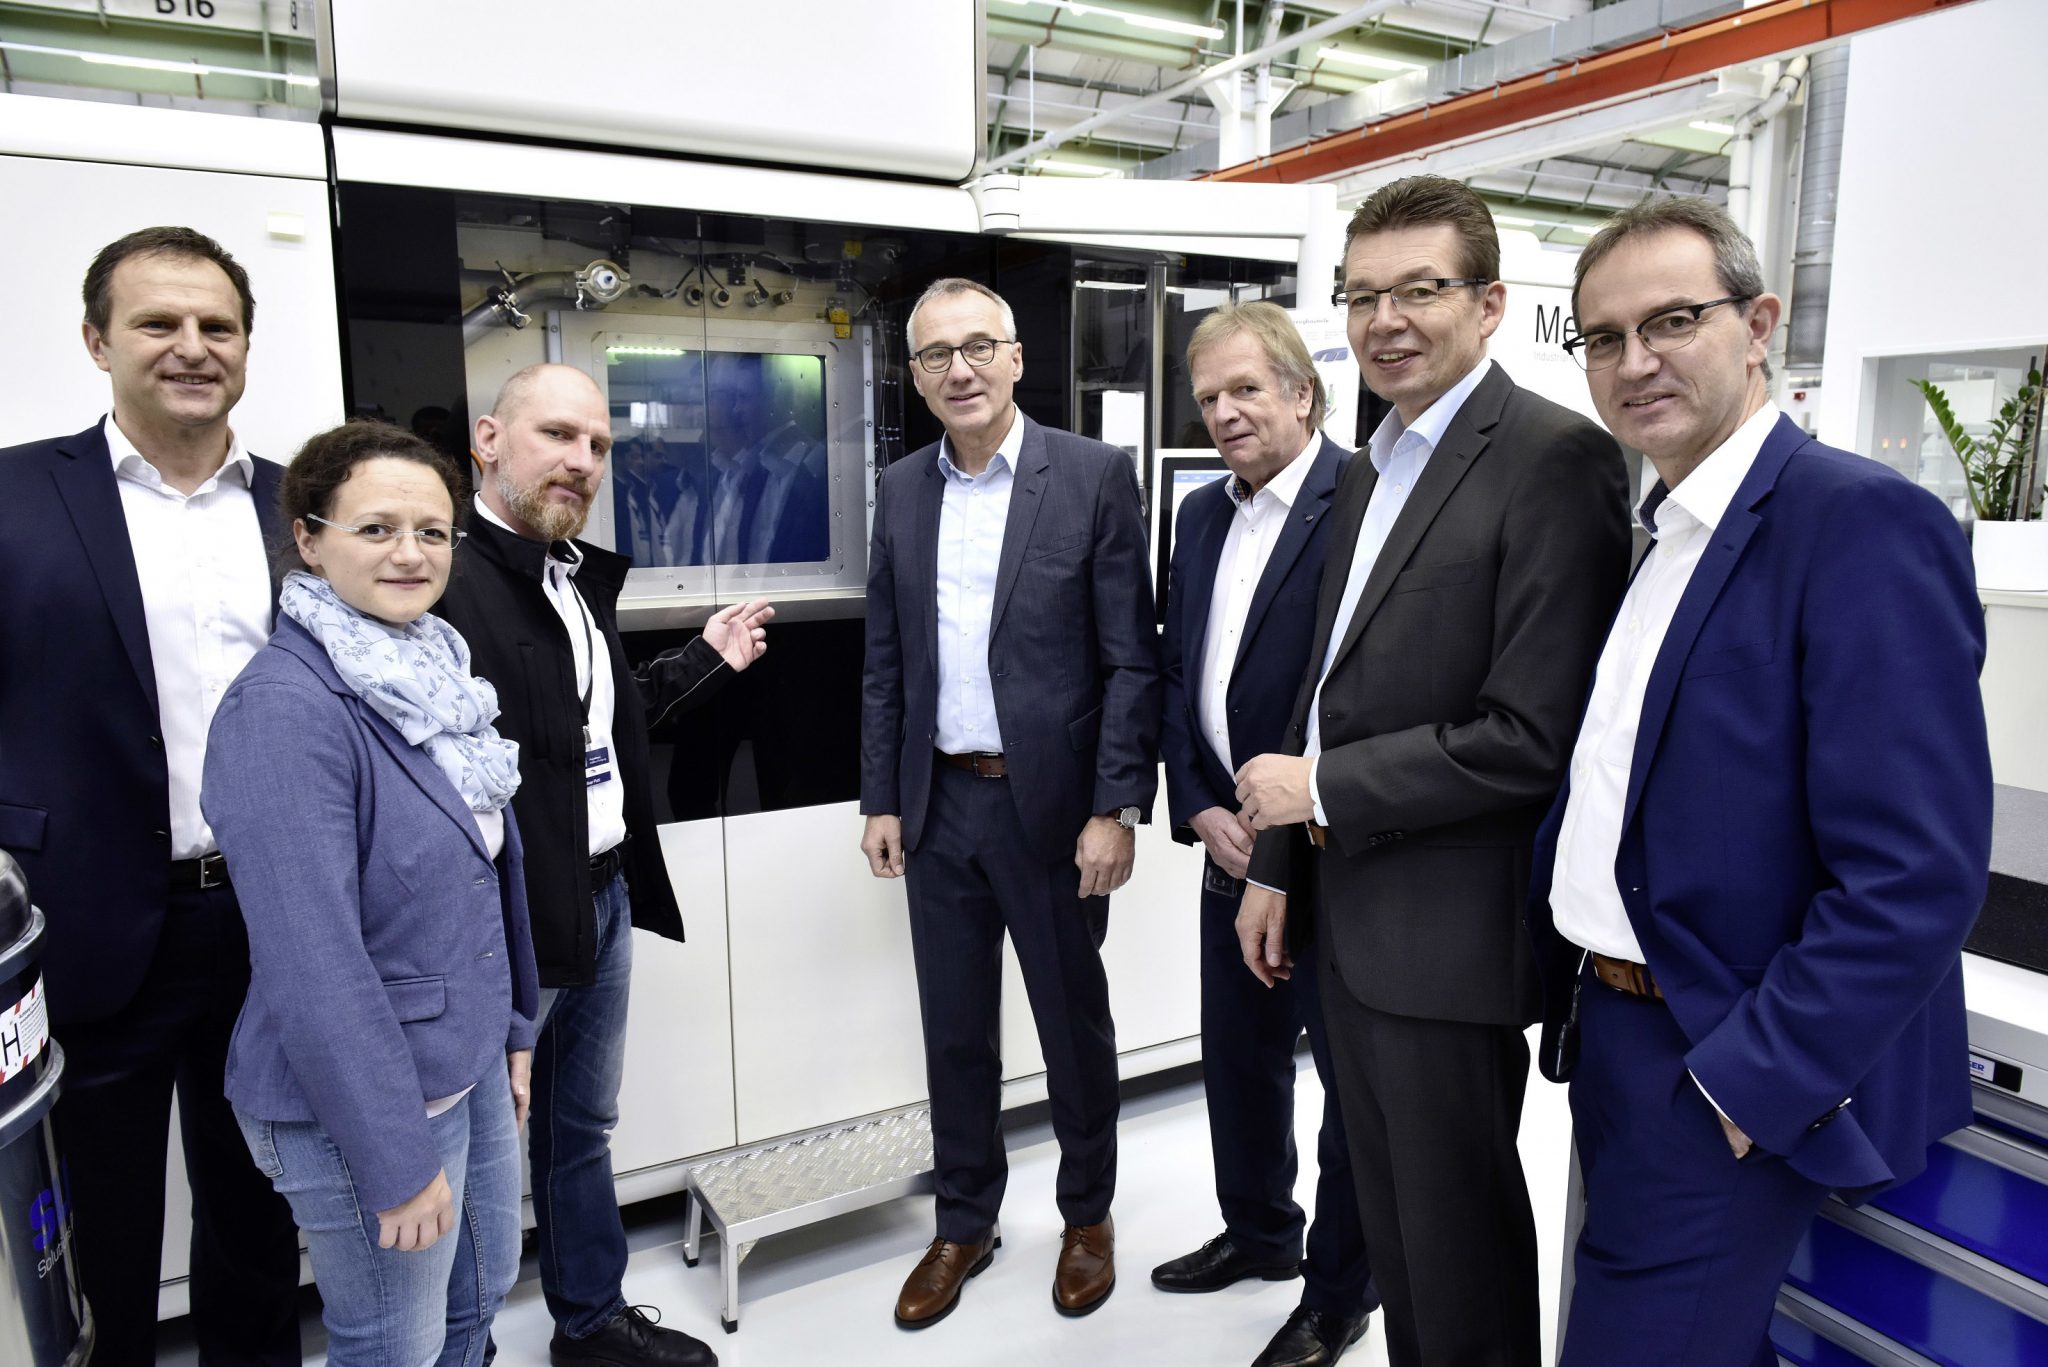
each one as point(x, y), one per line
point(1027, 494)
point(84, 473)
point(1709, 577)
point(270, 523)
point(928, 496)
point(411, 758)
point(1463, 443)
point(1208, 537)
point(1311, 505)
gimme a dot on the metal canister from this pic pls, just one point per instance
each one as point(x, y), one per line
point(44, 1320)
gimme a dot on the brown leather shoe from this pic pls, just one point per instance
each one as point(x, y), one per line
point(1087, 1270)
point(933, 1287)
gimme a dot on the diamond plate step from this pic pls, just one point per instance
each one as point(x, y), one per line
point(791, 1183)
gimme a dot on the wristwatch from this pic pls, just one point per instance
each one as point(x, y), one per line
point(1126, 817)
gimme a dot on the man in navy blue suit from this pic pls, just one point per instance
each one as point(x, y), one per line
point(136, 587)
point(1009, 748)
point(1751, 897)
point(1240, 614)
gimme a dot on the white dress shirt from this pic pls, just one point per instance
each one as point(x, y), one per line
point(205, 599)
point(1399, 453)
point(586, 643)
point(1585, 901)
point(974, 511)
point(1255, 525)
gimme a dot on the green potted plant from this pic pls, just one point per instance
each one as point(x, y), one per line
point(2001, 471)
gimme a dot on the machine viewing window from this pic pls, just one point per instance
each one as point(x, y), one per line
point(719, 457)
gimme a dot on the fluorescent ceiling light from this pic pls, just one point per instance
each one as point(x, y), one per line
point(645, 351)
point(1510, 221)
point(1071, 168)
point(161, 64)
point(1366, 59)
point(1148, 21)
point(1710, 126)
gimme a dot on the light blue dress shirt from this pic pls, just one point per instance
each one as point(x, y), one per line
point(972, 516)
point(1399, 454)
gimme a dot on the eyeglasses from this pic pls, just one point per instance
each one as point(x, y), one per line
point(939, 359)
point(434, 538)
point(1407, 296)
point(1666, 330)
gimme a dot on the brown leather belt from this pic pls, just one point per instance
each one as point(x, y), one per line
point(1628, 978)
point(978, 764)
point(1318, 836)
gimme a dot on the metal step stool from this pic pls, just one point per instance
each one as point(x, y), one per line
point(791, 1183)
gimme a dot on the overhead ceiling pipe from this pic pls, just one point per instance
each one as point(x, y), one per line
point(1820, 184)
point(1742, 146)
point(1350, 18)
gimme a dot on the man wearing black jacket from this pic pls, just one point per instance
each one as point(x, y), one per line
point(538, 608)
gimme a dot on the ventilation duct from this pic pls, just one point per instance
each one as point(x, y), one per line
point(1820, 184)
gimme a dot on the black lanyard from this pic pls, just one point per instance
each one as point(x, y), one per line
point(589, 652)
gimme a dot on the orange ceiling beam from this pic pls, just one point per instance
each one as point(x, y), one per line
point(1750, 35)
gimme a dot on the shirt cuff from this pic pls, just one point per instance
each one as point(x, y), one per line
point(1315, 794)
point(1710, 1097)
point(1255, 883)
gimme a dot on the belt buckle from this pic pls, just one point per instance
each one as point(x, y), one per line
point(213, 871)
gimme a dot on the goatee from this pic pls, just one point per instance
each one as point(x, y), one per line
point(554, 521)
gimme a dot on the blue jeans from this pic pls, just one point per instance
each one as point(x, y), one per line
point(577, 1066)
point(385, 1308)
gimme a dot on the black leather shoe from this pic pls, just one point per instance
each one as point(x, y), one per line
point(1218, 1264)
point(634, 1339)
point(1313, 1338)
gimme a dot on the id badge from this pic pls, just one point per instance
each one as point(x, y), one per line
point(597, 766)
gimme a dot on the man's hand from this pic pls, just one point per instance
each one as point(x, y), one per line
point(882, 843)
point(1272, 790)
point(1738, 1142)
point(519, 1067)
point(739, 634)
point(1228, 839)
point(421, 1222)
point(1262, 934)
point(1105, 854)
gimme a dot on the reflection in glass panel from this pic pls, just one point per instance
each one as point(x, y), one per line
point(720, 457)
point(1904, 432)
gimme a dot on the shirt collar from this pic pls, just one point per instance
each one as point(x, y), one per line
point(561, 555)
point(1007, 450)
point(131, 462)
point(1706, 493)
point(1285, 486)
point(1434, 422)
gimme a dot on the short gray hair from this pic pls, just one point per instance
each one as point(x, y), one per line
point(1735, 262)
point(958, 284)
point(1275, 332)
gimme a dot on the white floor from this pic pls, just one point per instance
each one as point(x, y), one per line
point(824, 1295)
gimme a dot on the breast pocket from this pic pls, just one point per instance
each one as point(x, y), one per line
point(1418, 577)
point(1702, 664)
point(1066, 545)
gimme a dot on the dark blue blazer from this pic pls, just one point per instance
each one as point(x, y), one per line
point(1073, 655)
point(84, 791)
point(390, 958)
point(1807, 828)
point(1272, 652)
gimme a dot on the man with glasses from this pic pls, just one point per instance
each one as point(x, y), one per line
point(1750, 898)
point(1474, 559)
point(1009, 748)
point(540, 612)
point(137, 586)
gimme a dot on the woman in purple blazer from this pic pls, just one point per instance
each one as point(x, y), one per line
point(360, 795)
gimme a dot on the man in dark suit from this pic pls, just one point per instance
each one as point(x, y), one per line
point(1474, 560)
point(1752, 896)
point(137, 586)
point(1247, 558)
point(1009, 748)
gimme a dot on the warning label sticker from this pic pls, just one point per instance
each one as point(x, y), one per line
point(24, 1033)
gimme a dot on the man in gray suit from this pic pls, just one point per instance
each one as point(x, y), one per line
point(1009, 748)
point(1477, 551)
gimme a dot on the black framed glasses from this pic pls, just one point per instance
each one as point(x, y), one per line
point(432, 538)
point(1406, 297)
point(1665, 330)
point(937, 360)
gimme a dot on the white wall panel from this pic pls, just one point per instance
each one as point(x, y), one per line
point(60, 213)
point(891, 86)
point(1936, 236)
point(89, 130)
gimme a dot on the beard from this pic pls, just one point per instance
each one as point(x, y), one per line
point(531, 505)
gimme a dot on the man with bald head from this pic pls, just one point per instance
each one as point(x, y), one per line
point(539, 610)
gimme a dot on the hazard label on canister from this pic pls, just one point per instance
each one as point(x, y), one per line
point(24, 1033)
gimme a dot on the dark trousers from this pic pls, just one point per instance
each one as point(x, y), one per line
point(972, 877)
point(1683, 1248)
point(1248, 1037)
point(113, 1131)
point(1431, 1109)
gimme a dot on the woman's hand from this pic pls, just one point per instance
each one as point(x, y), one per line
point(421, 1222)
point(519, 1063)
